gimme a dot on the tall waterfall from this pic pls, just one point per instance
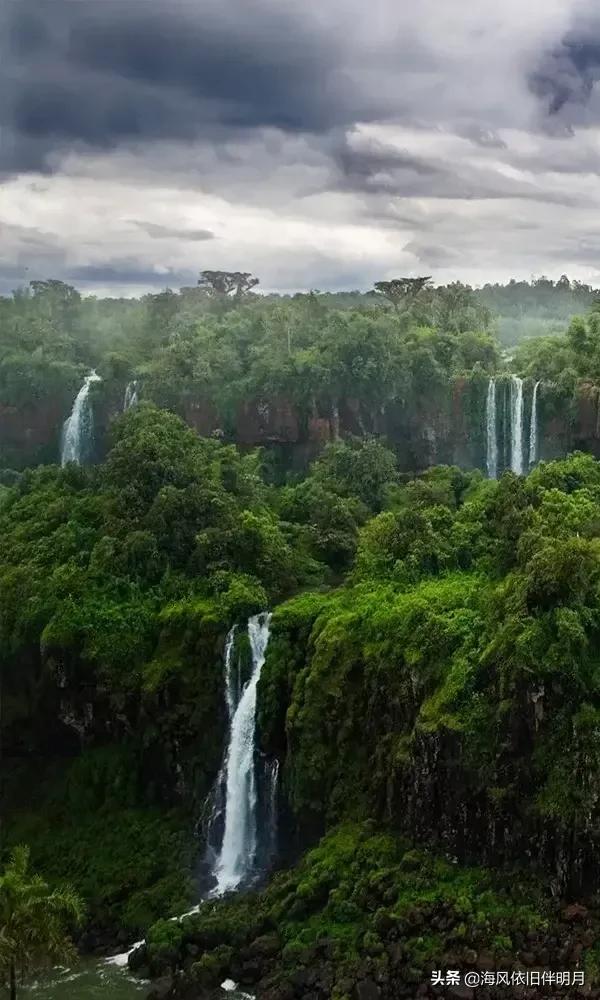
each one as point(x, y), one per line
point(491, 432)
point(238, 850)
point(131, 395)
point(212, 826)
point(78, 428)
point(516, 425)
point(533, 430)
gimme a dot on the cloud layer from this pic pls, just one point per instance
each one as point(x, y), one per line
point(317, 145)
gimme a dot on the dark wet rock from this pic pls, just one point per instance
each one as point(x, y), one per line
point(366, 990)
point(161, 989)
point(138, 958)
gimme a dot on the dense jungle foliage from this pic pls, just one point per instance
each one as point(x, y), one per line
point(202, 341)
point(433, 666)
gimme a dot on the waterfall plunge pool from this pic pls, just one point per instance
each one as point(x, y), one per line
point(97, 979)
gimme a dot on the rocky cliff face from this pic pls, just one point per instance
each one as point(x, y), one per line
point(444, 427)
point(359, 729)
point(30, 434)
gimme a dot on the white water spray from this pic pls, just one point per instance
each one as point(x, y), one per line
point(78, 428)
point(491, 433)
point(238, 850)
point(533, 430)
point(131, 395)
point(516, 425)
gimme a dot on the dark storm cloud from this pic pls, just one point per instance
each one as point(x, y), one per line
point(318, 144)
point(375, 168)
point(128, 272)
point(103, 73)
point(364, 164)
point(433, 254)
point(158, 232)
point(566, 74)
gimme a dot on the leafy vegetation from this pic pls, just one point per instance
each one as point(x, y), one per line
point(34, 921)
point(362, 905)
point(433, 667)
point(461, 654)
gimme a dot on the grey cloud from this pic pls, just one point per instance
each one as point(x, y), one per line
point(320, 142)
point(434, 255)
point(566, 74)
point(481, 136)
point(159, 232)
point(112, 73)
point(29, 237)
point(108, 73)
point(128, 272)
point(363, 165)
point(375, 168)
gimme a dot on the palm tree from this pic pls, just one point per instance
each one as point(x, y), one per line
point(34, 921)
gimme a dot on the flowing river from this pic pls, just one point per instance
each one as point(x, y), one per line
point(88, 980)
point(94, 979)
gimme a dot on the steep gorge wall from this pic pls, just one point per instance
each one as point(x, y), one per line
point(361, 730)
point(445, 426)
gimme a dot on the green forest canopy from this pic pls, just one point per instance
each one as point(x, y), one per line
point(226, 341)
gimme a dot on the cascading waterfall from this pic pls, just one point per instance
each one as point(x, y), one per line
point(237, 856)
point(506, 391)
point(131, 395)
point(491, 431)
point(212, 828)
point(78, 428)
point(533, 430)
point(516, 425)
point(235, 790)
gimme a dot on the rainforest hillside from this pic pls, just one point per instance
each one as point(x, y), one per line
point(408, 361)
point(220, 661)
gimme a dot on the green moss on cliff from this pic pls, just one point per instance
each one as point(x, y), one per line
point(87, 821)
point(362, 903)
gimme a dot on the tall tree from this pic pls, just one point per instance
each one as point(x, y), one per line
point(228, 284)
point(402, 292)
point(34, 921)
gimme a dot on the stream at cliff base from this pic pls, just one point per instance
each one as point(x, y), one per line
point(95, 979)
point(88, 980)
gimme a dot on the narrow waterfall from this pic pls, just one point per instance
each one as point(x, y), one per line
point(237, 856)
point(212, 825)
point(131, 395)
point(506, 392)
point(78, 428)
point(516, 425)
point(533, 430)
point(491, 431)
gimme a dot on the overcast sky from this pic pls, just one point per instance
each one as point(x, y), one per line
point(315, 143)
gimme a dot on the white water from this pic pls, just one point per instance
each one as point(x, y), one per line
point(77, 429)
point(491, 433)
point(131, 395)
point(516, 425)
point(533, 431)
point(238, 851)
point(212, 828)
